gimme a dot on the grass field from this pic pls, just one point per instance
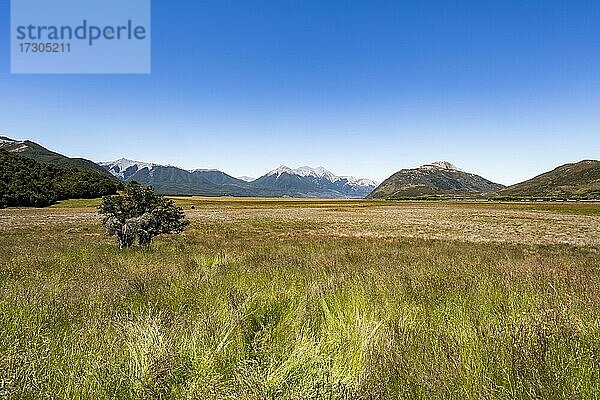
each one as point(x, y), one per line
point(305, 299)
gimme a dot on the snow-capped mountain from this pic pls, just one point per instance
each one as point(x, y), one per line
point(168, 179)
point(124, 169)
point(314, 182)
point(321, 173)
point(280, 182)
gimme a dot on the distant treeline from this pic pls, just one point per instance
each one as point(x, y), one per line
point(26, 182)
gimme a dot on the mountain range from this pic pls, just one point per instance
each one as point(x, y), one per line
point(280, 182)
point(439, 179)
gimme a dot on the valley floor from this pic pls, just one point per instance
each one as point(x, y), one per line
point(305, 299)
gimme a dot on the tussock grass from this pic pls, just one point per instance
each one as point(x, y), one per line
point(260, 301)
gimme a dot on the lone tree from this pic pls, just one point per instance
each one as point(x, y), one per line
point(140, 213)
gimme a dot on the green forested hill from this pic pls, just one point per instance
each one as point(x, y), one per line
point(26, 182)
point(41, 154)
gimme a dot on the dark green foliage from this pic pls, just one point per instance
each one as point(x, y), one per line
point(26, 182)
point(140, 214)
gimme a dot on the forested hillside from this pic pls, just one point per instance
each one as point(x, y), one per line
point(26, 182)
point(27, 148)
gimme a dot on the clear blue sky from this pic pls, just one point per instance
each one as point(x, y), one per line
point(506, 89)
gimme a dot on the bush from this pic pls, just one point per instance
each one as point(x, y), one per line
point(140, 214)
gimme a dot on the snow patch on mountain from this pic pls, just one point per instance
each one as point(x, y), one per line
point(364, 182)
point(13, 145)
point(118, 167)
point(321, 173)
point(318, 173)
point(282, 169)
point(441, 165)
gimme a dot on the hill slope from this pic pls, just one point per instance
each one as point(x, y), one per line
point(26, 182)
point(41, 154)
point(436, 179)
point(580, 179)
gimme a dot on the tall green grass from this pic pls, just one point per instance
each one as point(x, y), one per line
point(259, 310)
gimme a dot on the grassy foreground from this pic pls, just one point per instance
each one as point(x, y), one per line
point(305, 299)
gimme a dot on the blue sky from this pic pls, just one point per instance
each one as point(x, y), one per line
point(506, 89)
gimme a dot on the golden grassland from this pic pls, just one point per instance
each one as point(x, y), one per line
point(271, 298)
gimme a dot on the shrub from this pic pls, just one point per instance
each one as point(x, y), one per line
point(139, 213)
